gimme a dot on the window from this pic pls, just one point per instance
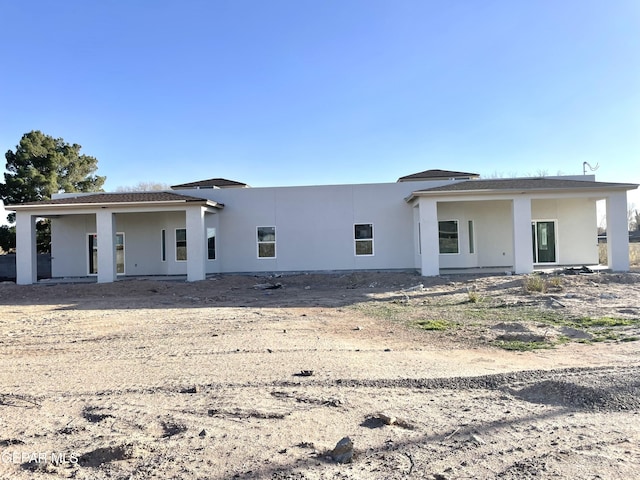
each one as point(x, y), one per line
point(448, 236)
point(93, 253)
point(181, 244)
point(363, 235)
point(211, 243)
point(120, 253)
point(266, 242)
point(472, 246)
point(163, 245)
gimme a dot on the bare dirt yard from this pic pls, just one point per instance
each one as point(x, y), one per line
point(247, 377)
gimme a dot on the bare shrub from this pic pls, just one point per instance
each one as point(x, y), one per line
point(534, 283)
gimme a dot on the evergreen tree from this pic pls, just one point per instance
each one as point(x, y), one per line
point(41, 166)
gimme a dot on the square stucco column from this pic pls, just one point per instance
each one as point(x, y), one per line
point(106, 230)
point(26, 257)
point(196, 247)
point(429, 240)
point(617, 232)
point(522, 240)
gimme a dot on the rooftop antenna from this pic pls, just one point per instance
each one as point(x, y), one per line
point(586, 164)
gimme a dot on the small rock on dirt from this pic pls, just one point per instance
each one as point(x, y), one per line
point(387, 419)
point(343, 451)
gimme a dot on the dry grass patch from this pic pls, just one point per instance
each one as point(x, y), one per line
point(634, 254)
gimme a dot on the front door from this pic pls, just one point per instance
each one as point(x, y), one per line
point(544, 241)
point(93, 254)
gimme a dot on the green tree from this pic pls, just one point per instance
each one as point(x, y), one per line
point(41, 166)
point(7, 238)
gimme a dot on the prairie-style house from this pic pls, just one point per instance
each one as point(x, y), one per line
point(431, 221)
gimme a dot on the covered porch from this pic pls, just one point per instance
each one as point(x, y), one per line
point(97, 238)
point(486, 226)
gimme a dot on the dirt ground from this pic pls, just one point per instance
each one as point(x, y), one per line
point(260, 377)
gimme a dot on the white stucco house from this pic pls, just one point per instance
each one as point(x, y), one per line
point(429, 221)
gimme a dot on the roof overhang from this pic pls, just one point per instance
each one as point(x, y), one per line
point(95, 205)
point(133, 202)
point(466, 194)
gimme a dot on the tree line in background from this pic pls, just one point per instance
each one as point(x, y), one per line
point(634, 219)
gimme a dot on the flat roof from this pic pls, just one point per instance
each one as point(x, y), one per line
point(437, 174)
point(211, 183)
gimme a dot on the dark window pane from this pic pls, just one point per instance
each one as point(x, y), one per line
point(181, 244)
point(211, 243)
point(211, 248)
point(266, 234)
point(364, 247)
point(448, 236)
point(364, 231)
point(266, 250)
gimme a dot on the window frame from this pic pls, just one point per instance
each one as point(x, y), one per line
point(555, 245)
point(177, 246)
point(123, 248)
point(209, 249)
point(471, 230)
point(90, 261)
point(163, 245)
point(357, 240)
point(259, 242)
point(457, 237)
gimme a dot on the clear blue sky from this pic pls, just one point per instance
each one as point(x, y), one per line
point(297, 92)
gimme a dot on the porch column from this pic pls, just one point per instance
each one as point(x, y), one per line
point(617, 232)
point(26, 256)
point(106, 231)
point(196, 247)
point(429, 239)
point(522, 242)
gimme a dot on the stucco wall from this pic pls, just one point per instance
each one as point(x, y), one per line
point(315, 231)
point(143, 246)
point(575, 220)
point(493, 233)
point(315, 227)
point(69, 247)
point(577, 231)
